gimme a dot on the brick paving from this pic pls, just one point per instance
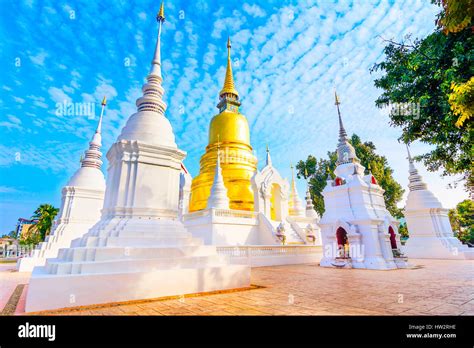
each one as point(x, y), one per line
point(433, 287)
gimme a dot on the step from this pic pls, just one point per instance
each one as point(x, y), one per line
point(114, 253)
point(156, 240)
point(55, 266)
point(134, 241)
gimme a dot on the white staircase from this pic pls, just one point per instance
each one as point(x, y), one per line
point(292, 236)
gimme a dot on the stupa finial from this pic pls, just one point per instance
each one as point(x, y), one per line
point(269, 158)
point(342, 131)
point(229, 87)
point(92, 156)
point(156, 62)
point(160, 17)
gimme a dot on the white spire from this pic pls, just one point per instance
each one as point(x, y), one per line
point(152, 90)
point(268, 159)
point(218, 198)
point(149, 124)
point(415, 180)
point(419, 197)
point(345, 151)
point(310, 212)
point(92, 156)
point(295, 204)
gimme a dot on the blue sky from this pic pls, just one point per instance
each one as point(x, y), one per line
point(287, 58)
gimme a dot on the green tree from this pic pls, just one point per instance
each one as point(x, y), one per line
point(403, 230)
point(462, 221)
point(435, 75)
point(12, 234)
point(31, 239)
point(45, 215)
point(317, 170)
point(456, 14)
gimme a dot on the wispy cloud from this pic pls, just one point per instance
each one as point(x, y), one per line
point(253, 10)
point(39, 58)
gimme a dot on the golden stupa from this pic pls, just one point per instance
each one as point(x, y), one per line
point(229, 130)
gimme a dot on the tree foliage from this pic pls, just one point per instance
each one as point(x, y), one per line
point(456, 15)
point(317, 170)
point(462, 220)
point(45, 215)
point(434, 73)
point(461, 100)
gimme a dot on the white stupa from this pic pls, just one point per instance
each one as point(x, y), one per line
point(139, 249)
point(429, 229)
point(356, 228)
point(310, 211)
point(82, 200)
point(185, 181)
point(218, 198)
point(295, 205)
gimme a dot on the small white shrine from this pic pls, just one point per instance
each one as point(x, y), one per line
point(356, 228)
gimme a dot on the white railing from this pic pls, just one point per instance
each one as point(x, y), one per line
point(301, 233)
point(268, 232)
point(264, 250)
point(196, 214)
point(221, 213)
point(235, 213)
point(300, 219)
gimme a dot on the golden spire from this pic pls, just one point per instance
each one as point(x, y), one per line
point(104, 101)
point(337, 98)
point(160, 17)
point(229, 78)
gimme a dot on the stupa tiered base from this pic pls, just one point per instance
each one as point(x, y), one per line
point(433, 247)
point(131, 259)
point(62, 237)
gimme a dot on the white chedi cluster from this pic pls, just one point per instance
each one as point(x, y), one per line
point(356, 227)
point(139, 249)
point(82, 200)
point(273, 196)
point(429, 229)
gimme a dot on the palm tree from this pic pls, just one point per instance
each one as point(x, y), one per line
point(45, 215)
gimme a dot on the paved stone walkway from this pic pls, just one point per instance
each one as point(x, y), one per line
point(9, 279)
point(434, 287)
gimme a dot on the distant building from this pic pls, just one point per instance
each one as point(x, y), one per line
point(8, 247)
point(23, 227)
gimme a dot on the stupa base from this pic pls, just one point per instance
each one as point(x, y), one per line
point(432, 247)
point(49, 291)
